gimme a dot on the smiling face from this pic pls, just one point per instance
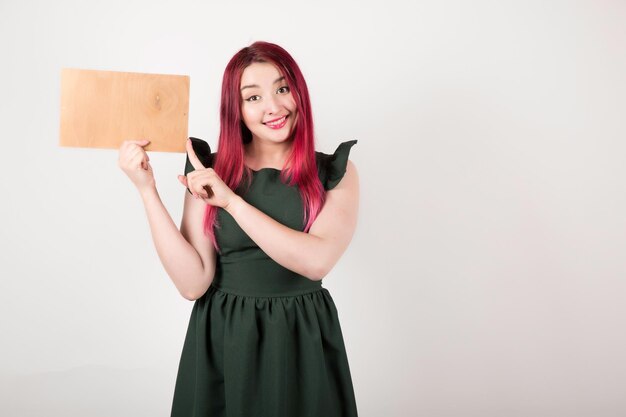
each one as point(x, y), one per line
point(265, 97)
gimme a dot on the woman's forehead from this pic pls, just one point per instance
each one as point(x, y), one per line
point(260, 73)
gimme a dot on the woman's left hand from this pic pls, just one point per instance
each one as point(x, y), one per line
point(204, 182)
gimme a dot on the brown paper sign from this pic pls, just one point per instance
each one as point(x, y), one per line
point(101, 109)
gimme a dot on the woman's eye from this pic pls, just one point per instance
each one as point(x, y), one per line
point(251, 98)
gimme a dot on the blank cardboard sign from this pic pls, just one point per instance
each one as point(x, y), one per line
point(101, 109)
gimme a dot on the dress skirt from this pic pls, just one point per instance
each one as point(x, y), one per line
point(280, 356)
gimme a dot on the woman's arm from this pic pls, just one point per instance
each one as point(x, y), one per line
point(190, 271)
point(311, 254)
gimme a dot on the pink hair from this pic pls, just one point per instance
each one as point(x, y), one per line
point(300, 168)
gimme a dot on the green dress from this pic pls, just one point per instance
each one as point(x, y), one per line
point(264, 341)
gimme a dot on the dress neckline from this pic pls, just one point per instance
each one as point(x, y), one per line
point(264, 169)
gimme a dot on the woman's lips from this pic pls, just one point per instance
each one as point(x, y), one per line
point(277, 125)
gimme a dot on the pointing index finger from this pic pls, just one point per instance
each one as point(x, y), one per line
point(193, 158)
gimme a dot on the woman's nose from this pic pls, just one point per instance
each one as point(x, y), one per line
point(272, 105)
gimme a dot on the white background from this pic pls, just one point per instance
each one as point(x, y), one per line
point(487, 274)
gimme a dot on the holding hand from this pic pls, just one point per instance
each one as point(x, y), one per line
point(205, 183)
point(134, 161)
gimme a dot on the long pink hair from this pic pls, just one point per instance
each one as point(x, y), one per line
point(300, 168)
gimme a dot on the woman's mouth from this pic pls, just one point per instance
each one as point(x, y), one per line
point(278, 123)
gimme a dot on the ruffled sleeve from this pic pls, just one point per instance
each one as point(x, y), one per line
point(332, 168)
point(203, 152)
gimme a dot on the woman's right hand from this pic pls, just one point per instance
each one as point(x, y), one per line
point(134, 161)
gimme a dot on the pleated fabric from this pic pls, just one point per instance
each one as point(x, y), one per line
point(264, 356)
point(264, 341)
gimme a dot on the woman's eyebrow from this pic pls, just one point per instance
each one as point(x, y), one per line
point(255, 85)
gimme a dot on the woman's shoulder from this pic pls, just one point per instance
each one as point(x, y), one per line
point(332, 167)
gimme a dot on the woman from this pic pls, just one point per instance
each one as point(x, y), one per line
point(265, 219)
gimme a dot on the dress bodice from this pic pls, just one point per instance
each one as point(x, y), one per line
point(242, 266)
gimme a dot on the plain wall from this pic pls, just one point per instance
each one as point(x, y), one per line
point(487, 273)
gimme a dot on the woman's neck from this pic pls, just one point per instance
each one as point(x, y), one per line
point(270, 155)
